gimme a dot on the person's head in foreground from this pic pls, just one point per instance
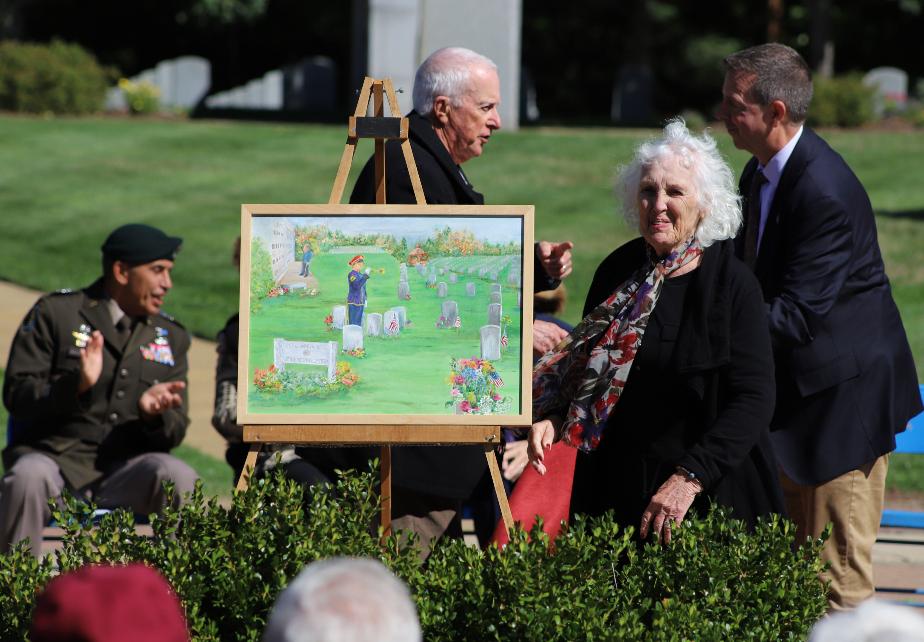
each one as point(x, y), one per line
point(679, 188)
point(137, 260)
point(344, 599)
point(872, 621)
point(108, 604)
point(459, 91)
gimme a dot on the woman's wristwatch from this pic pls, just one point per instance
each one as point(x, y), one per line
point(690, 476)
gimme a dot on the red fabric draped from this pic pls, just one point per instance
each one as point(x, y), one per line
point(548, 495)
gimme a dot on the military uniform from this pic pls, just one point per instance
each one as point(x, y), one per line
point(92, 436)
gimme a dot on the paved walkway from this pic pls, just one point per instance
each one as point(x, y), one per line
point(895, 565)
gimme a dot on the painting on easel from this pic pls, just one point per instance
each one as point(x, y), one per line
point(386, 314)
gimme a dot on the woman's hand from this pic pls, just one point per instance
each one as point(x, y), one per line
point(540, 439)
point(514, 460)
point(669, 506)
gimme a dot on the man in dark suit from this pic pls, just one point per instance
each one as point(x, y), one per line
point(456, 94)
point(96, 389)
point(846, 382)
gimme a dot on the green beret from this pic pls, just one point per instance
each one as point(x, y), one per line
point(137, 244)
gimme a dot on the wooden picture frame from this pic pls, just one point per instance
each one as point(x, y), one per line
point(414, 392)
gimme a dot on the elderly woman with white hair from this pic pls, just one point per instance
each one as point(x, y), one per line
point(666, 387)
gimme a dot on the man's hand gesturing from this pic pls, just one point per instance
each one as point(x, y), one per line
point(91, 362)
point(161, 397)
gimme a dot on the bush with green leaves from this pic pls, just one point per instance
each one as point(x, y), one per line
point(715, 581)
point(843, 101)
point(59, 78)
point(261, 274)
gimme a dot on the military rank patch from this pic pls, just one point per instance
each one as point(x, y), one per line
point(82, 335)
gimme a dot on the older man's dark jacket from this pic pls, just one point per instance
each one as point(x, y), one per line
point(88, 434)
point(448, 471)
point(846, 381)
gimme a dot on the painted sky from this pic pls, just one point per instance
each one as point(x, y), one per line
point(412, 228)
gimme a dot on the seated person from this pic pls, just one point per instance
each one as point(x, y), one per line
point(96, 389)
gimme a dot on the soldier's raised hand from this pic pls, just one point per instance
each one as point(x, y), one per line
point(161, 397)
point(91, 362)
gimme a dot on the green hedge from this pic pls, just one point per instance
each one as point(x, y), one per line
point(60, 78)
point(715, 581)
point(843, 101)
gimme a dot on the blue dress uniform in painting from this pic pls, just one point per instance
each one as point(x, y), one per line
point(356, 299)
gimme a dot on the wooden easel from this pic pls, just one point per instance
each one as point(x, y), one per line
point(381, 129)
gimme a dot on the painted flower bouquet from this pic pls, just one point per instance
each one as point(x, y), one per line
point(304, 384)
point(329, 322)
point(279, 290)
point(475, 384)
point(359, 353)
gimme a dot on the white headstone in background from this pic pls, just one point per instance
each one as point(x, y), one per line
point(192, 77)
point(495, 312)
point(339, 314)
point(391, 324)
point(490, 342)
point(891, 86)
point(453, 277)
point(273, 90)
point(496, 297)
point(497, 287)
point(404, 290)
point(401, 311)
point(374, 324)
point(402, 272)
point(310, 353)
point(441, 289)
point(470, 289)
point(421, 270)
point(441, 271)
point(450, 310)
point(493, 276)
point(431, 280)
point(352, 337)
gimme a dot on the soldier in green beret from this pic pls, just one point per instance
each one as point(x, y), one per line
point(96, 389)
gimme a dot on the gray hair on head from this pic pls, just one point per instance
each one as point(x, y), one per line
point(716, 192)
point(344, 599)
point(446, 72)
point(780, 73)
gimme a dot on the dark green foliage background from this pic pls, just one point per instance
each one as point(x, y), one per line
point(713, 582)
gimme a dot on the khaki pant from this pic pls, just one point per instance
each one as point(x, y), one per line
point(428, 516)
point(853, 504)
point(34, 478)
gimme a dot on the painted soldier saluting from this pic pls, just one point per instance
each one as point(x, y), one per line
point(96, 389)
point(356, 279)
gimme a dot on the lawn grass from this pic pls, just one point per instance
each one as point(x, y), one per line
point(65, 183)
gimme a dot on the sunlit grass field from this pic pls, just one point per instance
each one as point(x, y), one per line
point(65, 183)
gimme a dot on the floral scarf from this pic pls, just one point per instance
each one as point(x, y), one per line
point(587, 371)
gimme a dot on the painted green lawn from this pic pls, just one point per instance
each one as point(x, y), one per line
point(407, 374)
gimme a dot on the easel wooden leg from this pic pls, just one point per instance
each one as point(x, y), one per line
point(385, 491)
point(498, 486)
point(250, 465)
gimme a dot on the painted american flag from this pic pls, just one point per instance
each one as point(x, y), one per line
point(458, 322)
point(393, 326)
